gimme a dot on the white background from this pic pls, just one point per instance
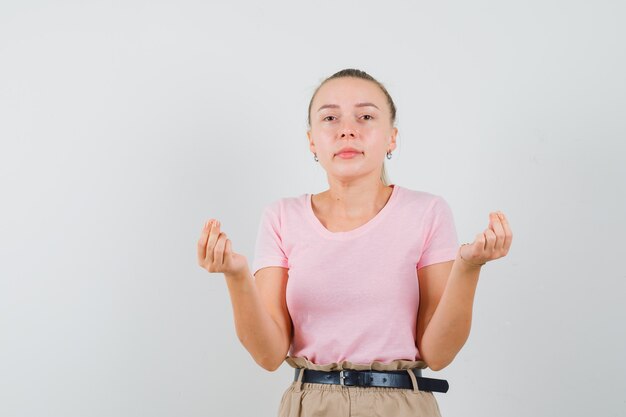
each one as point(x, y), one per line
point(124, 125)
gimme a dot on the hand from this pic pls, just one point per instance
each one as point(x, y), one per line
point(215, 251)
point(492, 244)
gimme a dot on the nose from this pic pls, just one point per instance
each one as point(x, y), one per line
point(347, 130)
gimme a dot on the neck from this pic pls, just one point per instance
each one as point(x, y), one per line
point(351, 200)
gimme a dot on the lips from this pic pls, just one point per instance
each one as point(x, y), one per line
point(348, 150)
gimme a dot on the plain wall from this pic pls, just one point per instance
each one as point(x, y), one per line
point(125, 125)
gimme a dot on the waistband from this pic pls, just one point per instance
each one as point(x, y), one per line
point(396, 365)
point(407, 379)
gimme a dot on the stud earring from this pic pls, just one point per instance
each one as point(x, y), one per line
point(388, 154)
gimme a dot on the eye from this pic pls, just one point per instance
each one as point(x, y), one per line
point(367, 115)
point(327, 117)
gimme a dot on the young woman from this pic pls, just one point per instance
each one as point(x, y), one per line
point(359, 287)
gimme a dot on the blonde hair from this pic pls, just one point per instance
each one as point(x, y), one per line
point(351, 72)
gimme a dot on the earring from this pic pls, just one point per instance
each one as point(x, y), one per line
point(388, 154)
point(315, 157)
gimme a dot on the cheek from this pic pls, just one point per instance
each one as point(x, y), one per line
point(375, 131)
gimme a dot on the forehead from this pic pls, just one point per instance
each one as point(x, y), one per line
point(348, 90)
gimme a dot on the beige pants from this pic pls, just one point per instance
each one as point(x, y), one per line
point(304, 399)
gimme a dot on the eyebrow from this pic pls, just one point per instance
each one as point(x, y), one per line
point(335, 106)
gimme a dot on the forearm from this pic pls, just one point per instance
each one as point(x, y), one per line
point(450, 324)
point(256, 329)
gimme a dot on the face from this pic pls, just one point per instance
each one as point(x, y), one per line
point(351, 112)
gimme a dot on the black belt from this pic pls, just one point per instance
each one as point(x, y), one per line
point(392, 379)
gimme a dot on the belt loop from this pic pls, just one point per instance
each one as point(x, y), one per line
point(299, 381)
point(414, 380)
point(296, 395)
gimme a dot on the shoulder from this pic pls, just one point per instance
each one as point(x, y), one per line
point(279, 206)
point(426, 200)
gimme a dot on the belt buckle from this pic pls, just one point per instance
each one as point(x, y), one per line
point(341, 378)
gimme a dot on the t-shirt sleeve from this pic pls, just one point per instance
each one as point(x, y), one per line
point(440, 238)
point(268, 250)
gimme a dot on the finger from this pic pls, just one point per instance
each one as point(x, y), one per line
point(218, 258)
point(228, 250)
point(508, 234)
point(498, 230)
point(490, 237)
point(213, 235)
point(204, 235)
point(480, 242)
point(218, 248)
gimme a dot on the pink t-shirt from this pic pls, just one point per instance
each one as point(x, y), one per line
point(354, 296)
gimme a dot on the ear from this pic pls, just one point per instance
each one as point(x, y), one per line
point(392, 139)
point(311, 144)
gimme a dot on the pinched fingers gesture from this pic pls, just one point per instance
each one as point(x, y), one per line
point(215, 252)
point(491, 244)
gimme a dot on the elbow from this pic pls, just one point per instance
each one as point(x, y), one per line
point(439, 356)
point(270, 364)
point(273, 368)
point(264, 360)
point(437, 364)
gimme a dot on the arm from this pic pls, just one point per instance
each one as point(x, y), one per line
point(445, 314)
point(259, 305)
point(447, 294)
point(261, 317)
